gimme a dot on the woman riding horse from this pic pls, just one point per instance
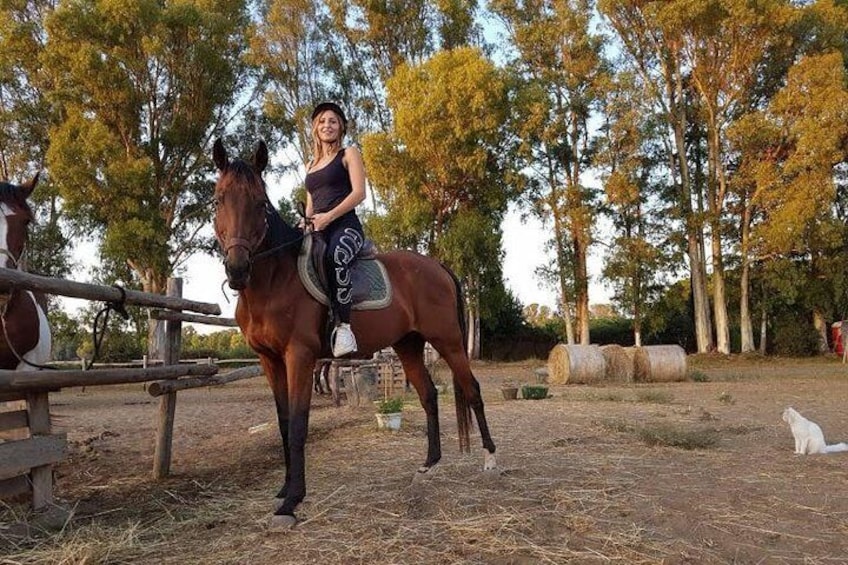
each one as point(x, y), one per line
point(284, 324)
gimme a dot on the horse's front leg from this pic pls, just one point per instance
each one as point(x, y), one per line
point(299, 367)
point(275, 372)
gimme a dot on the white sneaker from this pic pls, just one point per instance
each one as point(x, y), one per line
point(343, 340)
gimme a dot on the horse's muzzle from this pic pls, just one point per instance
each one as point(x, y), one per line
point(238, 274)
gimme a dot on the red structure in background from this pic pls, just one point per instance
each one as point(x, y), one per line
point(836, 336)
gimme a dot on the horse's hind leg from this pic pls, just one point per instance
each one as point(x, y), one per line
point(410, 351)
point(467, 394)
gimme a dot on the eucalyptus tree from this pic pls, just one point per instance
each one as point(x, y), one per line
point(630, 163)
point(143, 86)
point(728, 45)
point(802, 138)
point(372, 40)
point(25, 120)
point(652, 35)
point(439, 169)
point(559, 64)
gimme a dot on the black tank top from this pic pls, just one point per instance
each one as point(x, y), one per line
point(329, 186)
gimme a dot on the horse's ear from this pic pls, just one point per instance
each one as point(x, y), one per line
point(219, 155)
point(30, 186)
point(260, 157)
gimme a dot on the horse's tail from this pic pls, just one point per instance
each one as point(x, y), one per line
point(463, 409)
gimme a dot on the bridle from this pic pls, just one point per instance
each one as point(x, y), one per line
point(249, 247)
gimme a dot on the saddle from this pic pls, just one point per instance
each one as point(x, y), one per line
point(371, 288)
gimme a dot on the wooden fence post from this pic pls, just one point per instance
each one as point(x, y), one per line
point(168, 401)
point(38, 409)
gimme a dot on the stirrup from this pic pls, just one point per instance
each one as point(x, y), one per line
point(343, 340)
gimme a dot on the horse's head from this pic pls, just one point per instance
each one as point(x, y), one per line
point(240, 211)
point(15, 217)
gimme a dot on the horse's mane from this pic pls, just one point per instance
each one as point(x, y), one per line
point(14, 194)
point(279, 231)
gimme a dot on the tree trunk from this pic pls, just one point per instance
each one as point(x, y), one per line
point(473, 325)
point(582, 290)
point(637, 326)
point(715, 190)
point(157, 340)
point(565, 295)
point(763, 330)
point(745, 322)
point(703, 323)
point(821, 328)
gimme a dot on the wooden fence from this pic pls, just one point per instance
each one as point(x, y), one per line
point(31, 448)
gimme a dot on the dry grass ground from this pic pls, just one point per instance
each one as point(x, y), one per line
point(694, 472)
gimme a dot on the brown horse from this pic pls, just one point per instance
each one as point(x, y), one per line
point(25, 340)
point(286, 326)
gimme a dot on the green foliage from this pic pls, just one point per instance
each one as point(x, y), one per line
point(699, 377)
point(142, 86)
point(611, 330)
point(534, 392)
point(390, 405)
point(793, 339)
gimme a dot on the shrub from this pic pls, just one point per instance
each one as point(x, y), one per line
point(534, 392)
point(794, 339)
point(390, 405)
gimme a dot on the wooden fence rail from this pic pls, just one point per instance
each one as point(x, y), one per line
point(37, 380)
point(12, 278)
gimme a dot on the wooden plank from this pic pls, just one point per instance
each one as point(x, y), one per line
point(13, 278)
point(13, 420)
point(11, 396)
point(163, 387)
point(33, 380)
point(18, 457)
point(194, 318)
point(16, 486)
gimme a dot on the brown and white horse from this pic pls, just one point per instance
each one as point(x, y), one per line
point(285, 325)
point(25, 339)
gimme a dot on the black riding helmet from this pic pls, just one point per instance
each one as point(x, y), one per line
point(330, 106)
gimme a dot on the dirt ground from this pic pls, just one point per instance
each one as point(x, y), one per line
point(593, 474)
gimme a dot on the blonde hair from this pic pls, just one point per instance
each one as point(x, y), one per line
point(317, 146)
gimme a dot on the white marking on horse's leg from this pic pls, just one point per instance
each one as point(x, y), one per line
point(282, 523)
point(40, 354)
point(489, 461)
point(278, 503)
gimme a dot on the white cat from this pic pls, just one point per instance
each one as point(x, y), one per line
point(808, 435)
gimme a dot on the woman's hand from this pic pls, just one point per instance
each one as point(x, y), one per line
point(321, 221)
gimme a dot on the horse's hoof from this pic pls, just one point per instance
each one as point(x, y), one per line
point(278, 503)
point(422, 473)
point(489, 461)
point(282, 522)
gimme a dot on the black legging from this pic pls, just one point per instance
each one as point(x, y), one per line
point(344, 240)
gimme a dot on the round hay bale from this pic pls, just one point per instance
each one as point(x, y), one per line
point(659, 364)
point(582, 364)
point(619, 365)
